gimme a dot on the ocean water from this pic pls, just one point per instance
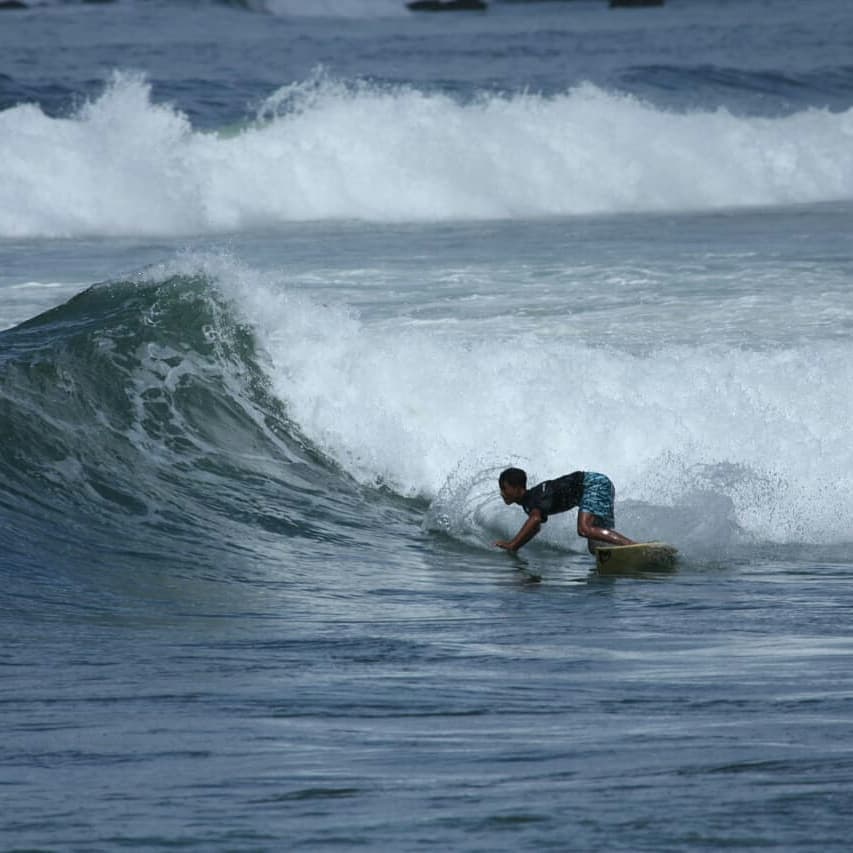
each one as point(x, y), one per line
point(283, 287)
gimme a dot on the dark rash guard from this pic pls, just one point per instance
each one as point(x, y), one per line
point(554, 496)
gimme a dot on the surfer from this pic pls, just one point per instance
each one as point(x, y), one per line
point(590, 492)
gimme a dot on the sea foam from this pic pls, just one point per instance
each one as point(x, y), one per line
point(706, 443)
point(124, 165)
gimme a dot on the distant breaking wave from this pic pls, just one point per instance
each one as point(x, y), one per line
point(321, 150)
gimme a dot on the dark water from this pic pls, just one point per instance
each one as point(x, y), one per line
point(214, 639)
point(278, 310)
point(453, 704)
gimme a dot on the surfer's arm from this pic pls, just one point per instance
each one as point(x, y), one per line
point(529, 529)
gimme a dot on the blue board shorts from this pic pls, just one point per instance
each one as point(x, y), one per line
point(598, 494)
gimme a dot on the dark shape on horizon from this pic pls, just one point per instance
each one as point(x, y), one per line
point(12, 4)
point(628, 4)
point(447, 6)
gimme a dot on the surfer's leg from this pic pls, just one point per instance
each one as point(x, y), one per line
point(596, 530)
point(595, 512)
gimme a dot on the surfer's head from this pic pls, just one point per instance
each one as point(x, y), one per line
point(513, 484)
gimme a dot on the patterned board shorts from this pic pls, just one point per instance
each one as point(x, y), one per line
point(598, 494)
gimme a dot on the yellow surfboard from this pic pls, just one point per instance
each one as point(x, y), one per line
point(637, 557)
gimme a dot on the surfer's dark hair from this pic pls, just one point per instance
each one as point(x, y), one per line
point(513, 477)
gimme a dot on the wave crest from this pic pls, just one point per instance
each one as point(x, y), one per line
point(325, 150)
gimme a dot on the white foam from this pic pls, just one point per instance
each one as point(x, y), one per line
point(125, 166)
point(702, 441)
point(751, 426)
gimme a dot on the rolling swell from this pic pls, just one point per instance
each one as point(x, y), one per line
point(139, 432)
point(757, 92)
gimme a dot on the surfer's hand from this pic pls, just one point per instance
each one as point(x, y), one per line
point(507, 546)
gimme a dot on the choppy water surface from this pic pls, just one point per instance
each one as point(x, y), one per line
point(270, 332)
